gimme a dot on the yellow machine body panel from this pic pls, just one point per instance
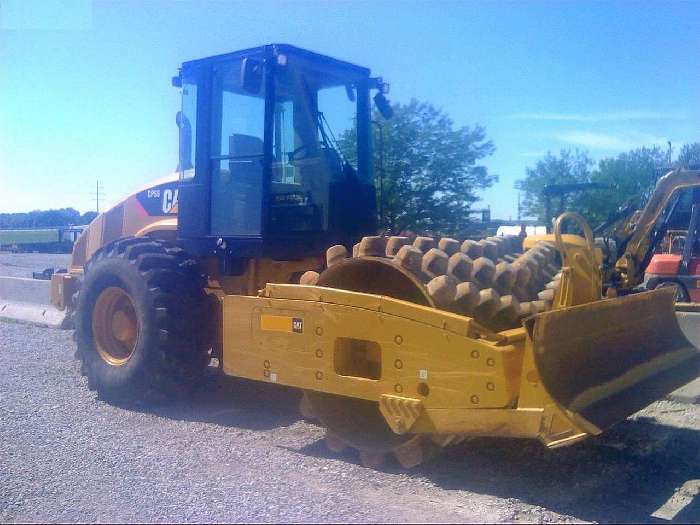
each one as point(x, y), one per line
point(364, 346)
point(564, 376)
point(430, 371)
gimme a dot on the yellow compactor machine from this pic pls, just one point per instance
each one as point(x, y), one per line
point(259, 252)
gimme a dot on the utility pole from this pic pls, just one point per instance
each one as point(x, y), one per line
point(519, 209)
point(98, 194)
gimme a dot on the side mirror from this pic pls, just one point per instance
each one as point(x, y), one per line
point(383, 105)
point(251, 75)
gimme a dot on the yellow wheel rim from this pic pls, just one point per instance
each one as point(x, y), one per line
point(115, 326)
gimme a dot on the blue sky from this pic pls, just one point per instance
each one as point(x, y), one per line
point(85, 86)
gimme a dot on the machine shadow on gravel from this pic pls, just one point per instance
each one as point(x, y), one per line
point(622, 476)
point(229, 402)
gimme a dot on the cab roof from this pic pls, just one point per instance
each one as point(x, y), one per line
point(276, 49)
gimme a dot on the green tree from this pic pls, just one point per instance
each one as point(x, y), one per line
point(689, 155)
point(630, 178)
point(40, 218)
point(431, 169)
point(631, 175)
point(566, 168)
point(88, 217)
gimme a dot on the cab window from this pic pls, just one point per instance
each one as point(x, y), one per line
point(313, 110)
point(237, 133)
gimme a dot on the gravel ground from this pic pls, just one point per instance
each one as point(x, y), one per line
point(238, 451)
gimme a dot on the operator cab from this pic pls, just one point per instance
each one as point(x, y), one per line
point(274, 153)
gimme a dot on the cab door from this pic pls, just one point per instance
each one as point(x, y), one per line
point(236, 154)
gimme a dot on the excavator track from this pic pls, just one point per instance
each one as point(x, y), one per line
point(491, 280)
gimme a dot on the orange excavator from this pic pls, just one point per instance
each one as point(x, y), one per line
point(658, 245)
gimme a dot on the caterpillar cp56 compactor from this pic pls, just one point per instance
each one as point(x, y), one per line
point(260, 252)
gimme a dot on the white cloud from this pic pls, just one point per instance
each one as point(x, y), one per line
point(603, 141)
point(617, 116)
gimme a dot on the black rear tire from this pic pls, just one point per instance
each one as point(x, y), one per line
point(169, 353)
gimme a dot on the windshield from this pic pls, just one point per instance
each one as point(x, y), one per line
point(314, 112)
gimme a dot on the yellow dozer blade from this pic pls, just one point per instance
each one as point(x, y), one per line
point(605, 360)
